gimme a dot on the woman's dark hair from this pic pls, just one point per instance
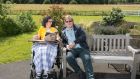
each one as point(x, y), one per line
point(53, 23)
point(45, 20)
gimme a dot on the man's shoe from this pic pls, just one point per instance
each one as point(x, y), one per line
point(82, 75)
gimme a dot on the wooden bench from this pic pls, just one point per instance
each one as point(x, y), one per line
point(113, 49)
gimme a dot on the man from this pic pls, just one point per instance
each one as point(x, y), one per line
point(74, 39)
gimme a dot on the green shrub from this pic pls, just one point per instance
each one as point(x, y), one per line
point(112, 23)
point(3, 10)
point(110, 30)
point(1, 31)
point(10, 27)
point(3, 15)
point(122, 30)
point(57, 13)
point(8, 2)
point(25, 22)
point(115, 17)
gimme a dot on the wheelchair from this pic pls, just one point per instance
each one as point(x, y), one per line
point(57, 69)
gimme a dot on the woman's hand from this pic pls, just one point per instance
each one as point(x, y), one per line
point(58, 37)
point(35, 37)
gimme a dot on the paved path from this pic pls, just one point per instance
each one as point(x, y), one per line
point(17, 70)
point(21, 70)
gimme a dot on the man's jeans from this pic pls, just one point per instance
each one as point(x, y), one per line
point(84, 54)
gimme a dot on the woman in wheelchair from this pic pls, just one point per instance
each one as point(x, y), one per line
point(44, 54)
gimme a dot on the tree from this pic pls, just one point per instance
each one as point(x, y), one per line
point(73, 2)
point(82, 1)
point(56, 13)
point(8, 2)
point(47, 2)
point(65, 1)
point(91, 1)
point(30, 1)
point(1, 1)
point(38, 1)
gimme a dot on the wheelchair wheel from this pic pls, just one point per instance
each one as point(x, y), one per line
point(32, 74)
point(60, 76)
point(52, 75)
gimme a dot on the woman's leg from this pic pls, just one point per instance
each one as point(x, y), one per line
point(38, 63)
point(49, 58)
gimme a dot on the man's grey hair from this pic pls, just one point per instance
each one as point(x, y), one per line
point(68, 17)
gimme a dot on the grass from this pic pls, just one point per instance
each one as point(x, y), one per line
point(86, 19)
point(83, 7)
point(17, 48)
point(37, 19)
point(133, 18)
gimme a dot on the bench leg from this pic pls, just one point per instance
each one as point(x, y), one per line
point(64, 64)
point(133, 70)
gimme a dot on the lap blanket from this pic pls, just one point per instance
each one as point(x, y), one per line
point(44, 56)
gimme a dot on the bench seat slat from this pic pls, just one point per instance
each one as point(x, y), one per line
point(121, 53)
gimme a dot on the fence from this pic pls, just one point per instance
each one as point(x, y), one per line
point(79, 13)
point(132, 12)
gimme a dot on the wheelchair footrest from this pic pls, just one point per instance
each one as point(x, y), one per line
point(52, 75)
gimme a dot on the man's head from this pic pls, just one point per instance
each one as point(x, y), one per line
point(68, 21)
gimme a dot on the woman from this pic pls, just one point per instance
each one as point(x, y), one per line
point(44, 53)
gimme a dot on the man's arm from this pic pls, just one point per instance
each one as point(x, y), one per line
point(63, 39)
point(81, 36)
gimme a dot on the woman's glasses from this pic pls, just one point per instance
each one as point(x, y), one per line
point(50, 21)
point(68, 21)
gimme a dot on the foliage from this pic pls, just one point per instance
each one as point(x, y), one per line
point(8, 2)
point(115, 17)
point(73, 2)
point(46, 2)
point(112, 24)
point(25, 22)
point(31, 1)
point(3, 15)
point(111, 30)
point(9, 27)
point(56, 13)
point(65, 1)
point(79, 1)
point(3, 10)
point(82, 1)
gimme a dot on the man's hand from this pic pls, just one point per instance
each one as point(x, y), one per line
point(71, 45)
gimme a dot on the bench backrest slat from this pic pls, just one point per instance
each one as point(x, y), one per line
point(107, 43)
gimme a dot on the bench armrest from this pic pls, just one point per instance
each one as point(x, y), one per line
point(64, 64)
point(135, 51)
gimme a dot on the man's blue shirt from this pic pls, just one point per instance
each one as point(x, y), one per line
point(71, 36)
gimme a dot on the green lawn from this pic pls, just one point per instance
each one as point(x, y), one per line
point(88, 19)
point(17, 48)
point(133, 18)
